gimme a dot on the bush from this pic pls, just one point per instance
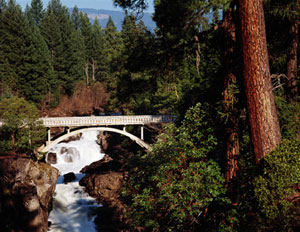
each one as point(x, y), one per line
point(21, 131)
point(173, 186)
point(277, 183)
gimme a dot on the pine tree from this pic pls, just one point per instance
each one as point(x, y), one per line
point(37, 12)
point(64, 44)
point(265, 130)
point(25, 66)
point(135, 83)
point(230, 97)
point(76, 17)
point(111, 53)
point(97, 56)
point(86, 30)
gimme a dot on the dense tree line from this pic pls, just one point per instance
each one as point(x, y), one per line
point(231, 78)
point(46, 52)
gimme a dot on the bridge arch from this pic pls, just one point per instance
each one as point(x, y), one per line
point(109, 129)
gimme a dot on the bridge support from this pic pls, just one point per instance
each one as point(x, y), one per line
point(124, 128)
point(142, 132)
point(49, 135)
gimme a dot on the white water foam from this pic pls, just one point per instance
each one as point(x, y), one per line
point(73, 210)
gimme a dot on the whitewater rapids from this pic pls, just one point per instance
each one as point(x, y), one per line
point(73, 210)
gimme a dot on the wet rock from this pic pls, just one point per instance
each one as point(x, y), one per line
point(102, 140)
point(26, 189)
point(106, 188)
point(73, 138)
point(51, 158)
point(104, 165)
point(70, 154)
point(103, 186)
point(69, 177)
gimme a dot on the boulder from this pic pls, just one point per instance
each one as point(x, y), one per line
point(104, 165)
point(69, 177)
point(104, 187)
point(70, 154)
point(26, 190)
point(51, 158)
point(102, 140)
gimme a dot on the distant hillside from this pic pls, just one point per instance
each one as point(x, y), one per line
point(117, 17)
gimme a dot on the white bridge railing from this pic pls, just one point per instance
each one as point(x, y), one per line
point(105, 120)
point(71, 123)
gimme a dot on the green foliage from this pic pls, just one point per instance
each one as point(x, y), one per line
point(135, 80)
point(21, 131)
point(288, 114)
point(36, 11)
point(65, 44)
point(275, 184)
point(285, 9)
point(172, 187)
point(25, 61)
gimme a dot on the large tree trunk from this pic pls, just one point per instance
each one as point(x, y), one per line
point(230, 100)
point(292, 63)
point(265, 130)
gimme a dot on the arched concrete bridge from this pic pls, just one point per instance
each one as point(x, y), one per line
point(100, 123)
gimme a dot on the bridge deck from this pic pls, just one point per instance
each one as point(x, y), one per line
point(105, 120)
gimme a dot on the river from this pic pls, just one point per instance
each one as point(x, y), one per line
point(73, 210)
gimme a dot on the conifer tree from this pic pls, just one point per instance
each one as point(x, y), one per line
point(25, 65)
point(265, 130)
point(97, 45)
point(112, 49)
point(135, 82)
point(37, 12)
point(64, 44)
point(76, 17)
point(86, 30)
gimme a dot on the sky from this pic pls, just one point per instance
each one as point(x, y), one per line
point(96, 4)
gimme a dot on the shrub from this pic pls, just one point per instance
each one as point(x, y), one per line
point(173, 186)
point(21, 131)
point(277, 183)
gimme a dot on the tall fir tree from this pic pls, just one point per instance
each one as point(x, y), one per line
point(265, 130)
point(113, 46)
point(36, 11)
point(64, 44)
point(86, 30)
point(25, 66)
point(76, 17)
point(97, 44)
point(136, 84)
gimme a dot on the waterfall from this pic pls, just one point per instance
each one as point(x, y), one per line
point(73, 210)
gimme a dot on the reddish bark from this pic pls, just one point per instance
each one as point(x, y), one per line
point(230, 101)
point(265, 130)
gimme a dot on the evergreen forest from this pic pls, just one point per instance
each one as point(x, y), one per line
point(228, 70)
